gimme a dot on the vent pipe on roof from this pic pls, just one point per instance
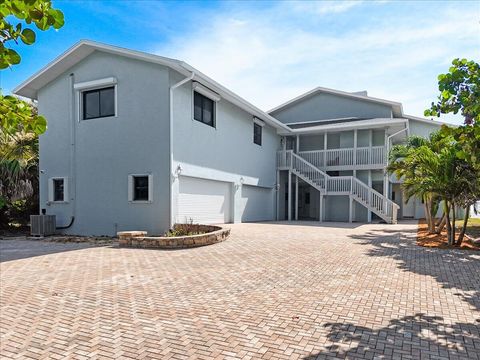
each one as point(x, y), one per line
point(361, 93)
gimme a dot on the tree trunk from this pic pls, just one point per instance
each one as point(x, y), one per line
point(442, 223)
point(449, 225)
point(464, 227)
point(427, 202)
point(453, 223)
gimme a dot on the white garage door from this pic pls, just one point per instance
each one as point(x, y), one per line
point(203, 201)
point(257, 203)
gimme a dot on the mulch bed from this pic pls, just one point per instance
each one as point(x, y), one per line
point(440, 240)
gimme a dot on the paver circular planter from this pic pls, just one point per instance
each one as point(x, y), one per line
point(139, 239)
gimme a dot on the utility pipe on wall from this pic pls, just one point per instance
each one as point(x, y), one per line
point(172, 178)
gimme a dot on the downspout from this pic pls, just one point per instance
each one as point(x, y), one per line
point(407, 129)
point(72, 188)
point(172, 175)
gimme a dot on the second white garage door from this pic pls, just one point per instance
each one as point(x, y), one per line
point(257, 203)
point(203, 201)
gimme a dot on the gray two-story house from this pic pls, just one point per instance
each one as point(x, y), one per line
point(139, 141)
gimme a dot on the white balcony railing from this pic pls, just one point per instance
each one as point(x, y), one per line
point(367, 156)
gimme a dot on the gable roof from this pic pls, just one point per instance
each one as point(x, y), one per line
point(29, 88)
point(396, 106)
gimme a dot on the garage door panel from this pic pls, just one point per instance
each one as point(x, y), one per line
point(257, 203)
point(203, 201)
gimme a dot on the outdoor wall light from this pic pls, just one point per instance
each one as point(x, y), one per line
point(242, 180)
point(179, 170)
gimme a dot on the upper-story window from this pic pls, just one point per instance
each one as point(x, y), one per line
point(98, 103)
point(257, 130)
point(203, 109)
point(257, 134)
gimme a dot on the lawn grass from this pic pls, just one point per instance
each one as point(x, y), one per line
point(473, 227)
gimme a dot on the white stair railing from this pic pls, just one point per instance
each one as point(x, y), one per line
point(361, 192)
point(374, 155)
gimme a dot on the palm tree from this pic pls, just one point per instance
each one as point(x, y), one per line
point(18, 174)
point(405, 163)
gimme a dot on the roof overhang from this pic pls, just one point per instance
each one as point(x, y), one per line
point(30, 87)
point(391, 125)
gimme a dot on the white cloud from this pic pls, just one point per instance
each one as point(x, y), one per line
point(270, 56)
point(323, 7)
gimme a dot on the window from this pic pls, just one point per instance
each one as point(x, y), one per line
point(98, 103)
point(58, 189)
point(203, 109)
point(257, 134)
point(140, 188)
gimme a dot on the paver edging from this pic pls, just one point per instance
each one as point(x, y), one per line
point(138, 239)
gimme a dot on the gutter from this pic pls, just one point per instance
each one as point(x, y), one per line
point(407, 129)
point(72, 192)
point(172, 177)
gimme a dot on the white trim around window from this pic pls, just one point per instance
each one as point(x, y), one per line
point(94, 84)
point(51, 190)
point(205, 91)
point(258, 121)
point(131, 190)
point(82, 87)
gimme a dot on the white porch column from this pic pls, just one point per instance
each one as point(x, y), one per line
point(350, 209)
point(296, 197)
point(277, 189)
point(325, 150)
point(369, 215)
point(320, 209)
point(370, 136)
point(355, 147)
point(289, 195)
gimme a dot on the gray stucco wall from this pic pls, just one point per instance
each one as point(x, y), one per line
point(225, 152)
point(421, 128)
point(109, 149)
point(323, 106)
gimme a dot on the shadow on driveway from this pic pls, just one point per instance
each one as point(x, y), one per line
point(420, 336)
point(20, 249)
point(452, 268)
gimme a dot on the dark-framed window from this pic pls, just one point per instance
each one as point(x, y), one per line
point(257, 134)
point(98, 103)
point(203, 109)
point(58, 189)
point(140, 188)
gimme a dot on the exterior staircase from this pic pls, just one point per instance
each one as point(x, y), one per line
point(338, 185)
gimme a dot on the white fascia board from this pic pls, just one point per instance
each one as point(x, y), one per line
point(95, 83)
point(206, 91)
point(235, 99)
point(428, 121)
point(362, 124)
point(77, 53)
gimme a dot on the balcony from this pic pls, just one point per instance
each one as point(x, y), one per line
point(349, 158)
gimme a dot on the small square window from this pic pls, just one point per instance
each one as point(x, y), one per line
point(98, 103)
point(257, 134)
point(58, 189)
point(203, 109)
point(140, 188)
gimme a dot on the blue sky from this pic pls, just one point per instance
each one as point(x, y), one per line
point(269, 52)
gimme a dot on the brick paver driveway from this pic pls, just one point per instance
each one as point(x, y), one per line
point(273, 291)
